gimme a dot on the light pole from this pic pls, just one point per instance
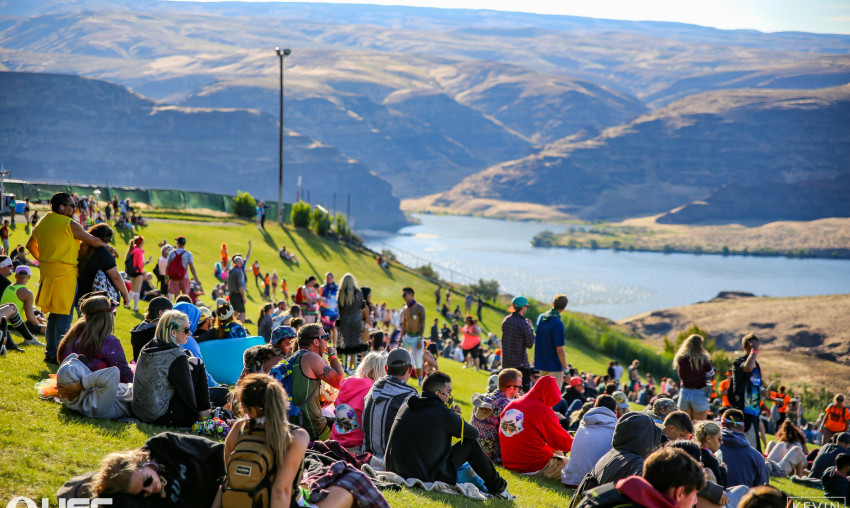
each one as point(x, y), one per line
point(281, 53)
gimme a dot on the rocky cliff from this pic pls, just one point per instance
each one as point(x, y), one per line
point(58, 127)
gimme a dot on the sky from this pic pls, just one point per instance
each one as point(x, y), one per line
point(821, 16)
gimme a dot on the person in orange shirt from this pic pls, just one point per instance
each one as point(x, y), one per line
point(780, 400)
point(724, 388)
point(225, 259)
point(836, 419)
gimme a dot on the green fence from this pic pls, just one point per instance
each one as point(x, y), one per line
point(158, 198)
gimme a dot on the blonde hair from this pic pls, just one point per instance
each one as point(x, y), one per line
point(347, 290)
point(372, 366)
point(116, 470)
point(692, 349)
point(171, 320)
point(705, 428)
point(264, 393)
point(92, 329)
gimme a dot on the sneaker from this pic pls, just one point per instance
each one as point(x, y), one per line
point(2, 349)
point(51, 359)
point(34, 342)
point(11, 346)
point(507, 496)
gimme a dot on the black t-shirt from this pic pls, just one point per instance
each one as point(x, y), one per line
point(710, 461)
point(192, 465)
point(4, 283)
point(101, 259)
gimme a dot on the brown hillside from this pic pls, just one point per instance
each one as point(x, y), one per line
point(805, 339)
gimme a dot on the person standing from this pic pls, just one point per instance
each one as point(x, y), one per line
point(350, 342)
point(471, 343)
point(180, 262)
point(549, 355)
point(330, 310)
point(746, 388)
point(412, 328)
point(517, 337)
point(4, 236)
point(480, 308)
point(263, 214)
point(837, 418)
point(134, 264)
point(236, 288)
point(55, 243)
point(437, 294)
point(694, 368)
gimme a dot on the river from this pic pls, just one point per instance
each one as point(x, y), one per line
point(602, 282)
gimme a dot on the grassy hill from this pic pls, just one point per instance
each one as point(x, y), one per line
point(42, 445)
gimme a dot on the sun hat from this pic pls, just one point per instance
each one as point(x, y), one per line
point(621, 400)
point(224, 310)
point(518, 303)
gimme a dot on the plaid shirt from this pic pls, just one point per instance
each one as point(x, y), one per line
point(488, 428)
point(345, 476)
point(517, 337)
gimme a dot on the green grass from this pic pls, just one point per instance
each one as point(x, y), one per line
point(42, 444)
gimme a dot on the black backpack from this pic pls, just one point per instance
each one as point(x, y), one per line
point(606, 496)
point(131, 269)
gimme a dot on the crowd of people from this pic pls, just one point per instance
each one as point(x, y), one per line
point(340, 383)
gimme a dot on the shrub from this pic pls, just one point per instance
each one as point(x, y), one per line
point(428, 271)
point(320, 221)
point(487, 289)
point(341, 225)
point(300, 214)
point(244, 204)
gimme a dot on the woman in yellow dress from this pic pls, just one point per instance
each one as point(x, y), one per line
point(55, 243)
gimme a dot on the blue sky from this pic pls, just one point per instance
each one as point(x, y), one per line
point(822, 16)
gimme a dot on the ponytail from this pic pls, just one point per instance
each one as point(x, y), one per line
point(263, 392)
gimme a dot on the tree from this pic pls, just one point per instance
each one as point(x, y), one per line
point(300, 214)
point(244, 204)
point(341, 225)
point(428, 271)
point(487, 289)
point(320, 221)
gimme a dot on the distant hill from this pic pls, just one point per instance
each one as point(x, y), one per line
point(58, 127)
point(758, 139)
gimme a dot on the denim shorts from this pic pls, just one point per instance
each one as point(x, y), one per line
point(693, 399)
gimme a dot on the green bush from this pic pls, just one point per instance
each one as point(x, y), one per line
point(320, 221)
point(244, 205)
point(487, 289)
point(300, 214)
point(341, 225)
point(428, 271)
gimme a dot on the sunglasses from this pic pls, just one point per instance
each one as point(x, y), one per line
point(322, 337)
point(515, 386)
point(148, 482)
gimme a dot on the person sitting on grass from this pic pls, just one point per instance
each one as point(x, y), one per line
point(635, 437)
point(228, 327)
point(430, 456)
point(532, 439)
point(91, 336)
point(824, 459)
point(671, 479)
point(487, 412)
point(144, 332)
point(707, 436)
point(348, 426)
point(308, 370)
point(836, 485)
point(678, 425)
point(170, 384)
point(788, 452)
point(745, 465)
point(281, 340)
point(592, 440)
point(264, 403)
point(384, 400)
point(764, 497)
point(260, 359)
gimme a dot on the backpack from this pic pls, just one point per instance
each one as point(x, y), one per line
point(250, 471)
point(606, 496)
point(283, 373)
point(299, 297)
point(175, 269)
point(130, 267)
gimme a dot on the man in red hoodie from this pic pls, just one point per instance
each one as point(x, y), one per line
point(531, 438)
point(671, 479)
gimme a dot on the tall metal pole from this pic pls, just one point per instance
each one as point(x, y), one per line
point(281, 54)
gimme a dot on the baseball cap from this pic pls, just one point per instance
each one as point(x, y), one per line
point(282, 333)
point(23, 269)
point(663, 406)
point(575, 381)
point(399, 357)
point(518, 303)
point(181, 240)
point(621, 400)
point(205, 313)
point(843, 437)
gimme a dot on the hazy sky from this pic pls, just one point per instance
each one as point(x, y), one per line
point(824, 16)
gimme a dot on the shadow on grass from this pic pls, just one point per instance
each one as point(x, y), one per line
point(301, 256)
point(112, 427)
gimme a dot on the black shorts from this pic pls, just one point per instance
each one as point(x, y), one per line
point(237, 303)
point(474, 350)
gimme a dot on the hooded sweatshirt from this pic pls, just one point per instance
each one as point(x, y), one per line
point(592, 441)
point(835, 484)
point(379, 410)
point(530, 432)
point(420, 442)
point(745, 466)
point(348, 428)
point(629, 492)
